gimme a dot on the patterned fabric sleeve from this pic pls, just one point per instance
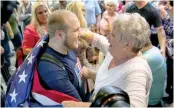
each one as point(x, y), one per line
point(168, 27)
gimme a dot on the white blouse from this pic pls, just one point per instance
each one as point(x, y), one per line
point(133, 76)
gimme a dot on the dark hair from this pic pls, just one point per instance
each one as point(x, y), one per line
point(7, 9)
point(123, 2)
point(171, 3)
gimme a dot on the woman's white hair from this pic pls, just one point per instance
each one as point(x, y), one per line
point(132, 28)
point(111, 2)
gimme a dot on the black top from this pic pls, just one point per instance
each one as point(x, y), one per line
point(149, 12)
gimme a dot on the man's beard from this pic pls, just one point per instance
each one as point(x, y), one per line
point(67, 45)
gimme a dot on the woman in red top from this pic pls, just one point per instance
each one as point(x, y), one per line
point(36, 28)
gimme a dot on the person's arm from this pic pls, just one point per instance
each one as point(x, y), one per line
point(28, 41)
point(23, 16)
point(98, 18)
point(57, 79)
point(98, 14)
point(128, 8)
point(160, 31)
point(109, 24)
point(16, 14)
point(9, 30)
point(137, 84)
point(26, 51)
point(51, 9)
point(162, 39)
point(88, 73)
point(76, 104)
point(1, 50)
point(96, 40)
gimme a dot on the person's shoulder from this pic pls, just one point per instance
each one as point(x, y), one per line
point(131, 7)
point(151, 8)
point(154, 56)
point(48, 66)
point(30, 28)
point(137, 62)
point(153, 52)
point(56, 5)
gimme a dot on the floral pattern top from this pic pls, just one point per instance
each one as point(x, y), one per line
point(168, 27)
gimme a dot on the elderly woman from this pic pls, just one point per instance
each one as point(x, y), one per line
point(124, 65)
point(108, 17)
point(36, 28)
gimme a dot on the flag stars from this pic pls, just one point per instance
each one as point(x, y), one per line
point(41, 43)
point(22, 77)
point(13, 96)
point(30, 59)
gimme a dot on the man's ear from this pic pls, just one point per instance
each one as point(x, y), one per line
point(58, 34)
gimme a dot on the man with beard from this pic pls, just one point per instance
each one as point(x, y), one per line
point(64, 31)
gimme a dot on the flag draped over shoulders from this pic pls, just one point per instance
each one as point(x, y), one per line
point(21, 83)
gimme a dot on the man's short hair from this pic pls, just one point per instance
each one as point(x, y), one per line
point(132, 28)
point(57, 21)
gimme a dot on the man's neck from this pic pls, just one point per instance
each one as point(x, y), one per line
point(58, 47)
point(141, 4)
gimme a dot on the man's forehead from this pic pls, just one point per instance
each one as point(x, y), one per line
point(73, 23)
point(72, 19)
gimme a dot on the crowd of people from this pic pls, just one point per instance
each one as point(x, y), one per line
point(86, 45)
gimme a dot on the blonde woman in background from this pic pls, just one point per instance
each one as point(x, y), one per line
point(78, 8)
point(37, 27)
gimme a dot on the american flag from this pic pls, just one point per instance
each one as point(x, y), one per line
point(25, 84)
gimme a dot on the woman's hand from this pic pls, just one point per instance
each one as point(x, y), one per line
point(87, 35)
point(75, 104)
point(87, 73)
